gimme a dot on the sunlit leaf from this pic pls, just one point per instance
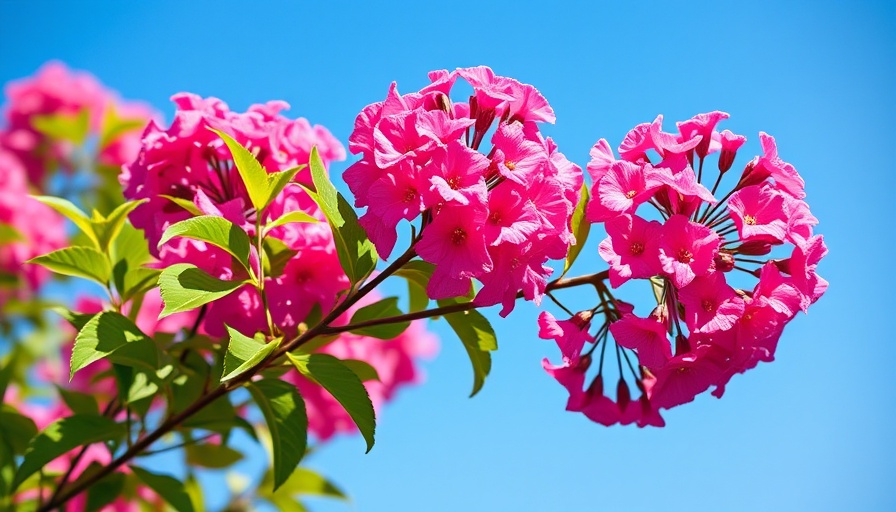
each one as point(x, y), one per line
point(169, 488)
point(185, 287)
point(478, 338)
point(579, 227)
point(345, 386)
point(215, 230)
point(243, 353)
point(284, 413)
point(82, 262)
point(115, 336)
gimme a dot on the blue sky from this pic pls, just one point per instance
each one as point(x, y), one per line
point(811, 431)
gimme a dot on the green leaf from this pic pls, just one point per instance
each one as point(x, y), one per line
point(68, 127)
point(356, 252)
point(64, 435)
point(385, 308)
point(276, 255)
point(658, 285)
point(212, 455)
point(170, 489)
point(113, 335)
point(277, 181)
point(284, 413)
point(243, 353)
point(7, 371)
point(79, 262)
point(9, 234)
point(114, 126)
point(130, 251)
point(579, 227)
point(105, 491)
point(304, 482)
point(364, 370)
point(217, 231)
point(345, 386)
point(286, 218)
point(417, 273)
point(185, 287)
point(254, 175)
point(73, 213)
point(77, 320)
point(108, 228)
point(186, 204)
point(79, 403)
point(191, 485)
point(16, 429)
point(478, 338)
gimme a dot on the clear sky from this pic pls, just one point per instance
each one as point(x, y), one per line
point(812, 431)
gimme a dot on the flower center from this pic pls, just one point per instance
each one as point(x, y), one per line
point(458, 236)
point(510, 165)
point(685, 256)
point(454, 182)
point(495, 218)
point(410, 194)
point(749, 219)
point(708, 305)
point(630, 194)
point(636, 248)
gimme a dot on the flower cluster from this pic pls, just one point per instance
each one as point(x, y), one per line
point(496, 214)
point(721, 323)
point(45, 112)
point(27, 229)
point(187, 161)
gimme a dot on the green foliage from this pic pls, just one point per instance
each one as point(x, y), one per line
point(478, 338)
point(304, 482)
point(170, 489)
point(345, 386)
point(286, 218)
point(214, 456)
point(284, 413)
point(105, 491)
point(362, 369)
point(72, 127)
point(184, 287)
point(357, 255)
point(129, 252)
point(276, 255)
point(113, 336)
point(9, 234)
point(186, 204)
point(64, 435)
point(417, 273)
point(217, 231)
point(72, 213)
point(579, 227)
point(385, 308)
point(107, 228)
point(243, 353)
point(262, 186)
point(83, 262)
point(79, 403)
point(114, 126)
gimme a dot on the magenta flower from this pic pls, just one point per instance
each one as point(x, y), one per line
point(631, 249)
point(720, 327)
point(509, 206)
point(687, 249)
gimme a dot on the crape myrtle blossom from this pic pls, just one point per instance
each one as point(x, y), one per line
point(495, 213)
point(29, 229)
point(188, 161)
point(58, 92)
point(707, 326)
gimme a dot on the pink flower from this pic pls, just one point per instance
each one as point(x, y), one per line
point(687, 249)
point(702, 125)
point(621, 190)
point(455, 243)
point(631, 249)
point(758, 212)
point(710, 304)
point(646, 336)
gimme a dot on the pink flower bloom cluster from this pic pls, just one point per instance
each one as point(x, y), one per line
point(190, 162)
point(721, 323)
point(496, 215)
point(57, 91)
point(34, 229)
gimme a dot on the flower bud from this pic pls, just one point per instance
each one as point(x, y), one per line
point(582, 319)
point(682, 345)
point(623, 395)
point(754, 248)
point(724, 261)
